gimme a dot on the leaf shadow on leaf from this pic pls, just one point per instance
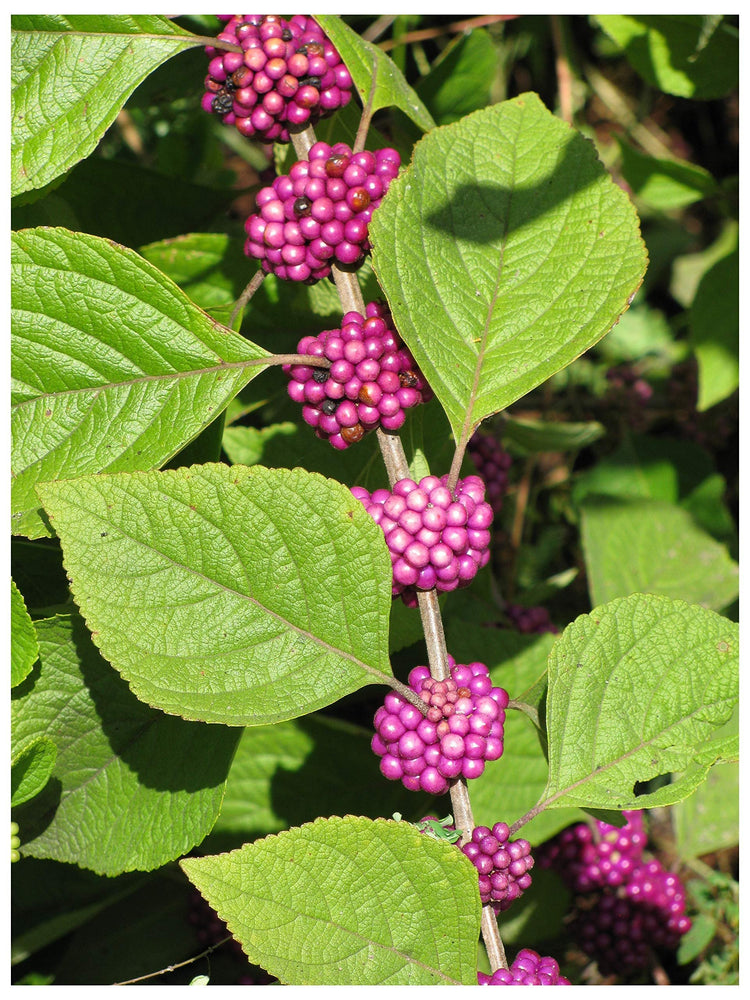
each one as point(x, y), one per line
point(201, 753)
point(489, 212)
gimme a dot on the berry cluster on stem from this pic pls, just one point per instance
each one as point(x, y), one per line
point(372, 380)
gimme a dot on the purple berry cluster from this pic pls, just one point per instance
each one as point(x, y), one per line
point(589, 858)
point(530, 621)
point(492, 464)
point(319, 213)
point(287, 76)
point(624, 926)
point(372, 381)
point(529, 968)
point(461, 730)
point(627, 905)
point(503, 864)
point(435, 538)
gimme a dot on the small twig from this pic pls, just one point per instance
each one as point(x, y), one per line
point(364, 122)
point(458, 455)
point(456, 27)
point(250, 289)
point(219, 43)
point(377, 28)
point(562, 68)
point(177, 965)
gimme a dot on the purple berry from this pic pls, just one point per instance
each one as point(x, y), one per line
point(529, 968)
point(530, 621)
point(626, 924)
point(589, 858)
point(277, 66)
point(340, 404)
point(427, 751)
point(492, 464)
point(442, 553)
point(503, 864)
point(328, 222)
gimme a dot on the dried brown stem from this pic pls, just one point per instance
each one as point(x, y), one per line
point(456, 27)
point(562, 68)
point(178, 965)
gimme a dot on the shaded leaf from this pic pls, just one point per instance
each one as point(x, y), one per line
point(131, 788)
point(228, 594)
point(31, 769)
point(715, 331)
point(671, 52)
point(665, 184)
point(505, 250)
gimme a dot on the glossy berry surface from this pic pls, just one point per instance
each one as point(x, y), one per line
point(589, 858)
point(462, 729)
point(503, 864)
point(288, 76)
point(626, 924)
point(372, 381)
point(529, 968)
point(319, 213)
point(492, 463)
point(436, 539)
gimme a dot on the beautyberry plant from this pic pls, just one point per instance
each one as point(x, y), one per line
point(312, 321)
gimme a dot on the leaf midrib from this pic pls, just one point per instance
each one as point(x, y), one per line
point(305, 633)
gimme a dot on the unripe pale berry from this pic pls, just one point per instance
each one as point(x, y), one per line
point(425, 752)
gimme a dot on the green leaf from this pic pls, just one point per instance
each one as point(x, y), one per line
point(131, 788)
point(709, 819)
point(715, 331)
point(513, 785)
point(49, 900)
point(209, 267)
point(665, 184)
point(669, 52)
point(24, 649)
point(70, 77)
point(366, 61)
point(655, 548)
point(113, 367)
point(689, 268)
point(647, 467)
point(642, 334)
point(125, 202)
point(31, 769)
point(461, 80)
point(532, 436)
point(227, 594)
point(505, 250)
point(281, 776)
point(327, 904)
point(637, 689)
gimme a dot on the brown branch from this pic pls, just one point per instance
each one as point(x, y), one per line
point(455, 28)
point(562, 68)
